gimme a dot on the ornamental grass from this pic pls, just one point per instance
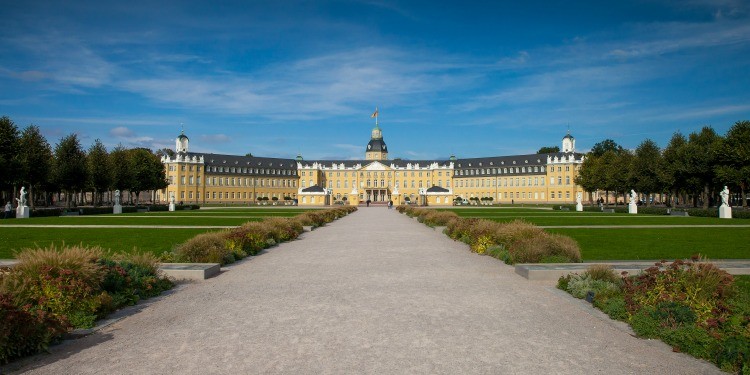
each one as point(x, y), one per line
point(52, 290)
point(514, 242)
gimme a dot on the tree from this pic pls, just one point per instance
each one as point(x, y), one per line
point(34, 159)
point(676, 169)
point(700, 155)
point(549, 150)
point(734, 158)
point(606, 145)
point(99, 170)
point(148, 172)
point(70, 166)
point(590, 177)
point(165, 152)
point(249, 155)
point(8, 151)
point(122, 175)
point(647, 171)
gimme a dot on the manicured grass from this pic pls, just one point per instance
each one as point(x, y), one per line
point(134, 220)
point(155, 241)
point(669, 243)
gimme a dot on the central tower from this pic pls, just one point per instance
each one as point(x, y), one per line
point(376, 148)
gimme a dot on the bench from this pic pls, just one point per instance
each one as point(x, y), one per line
point(608, 210)
point(678, 213)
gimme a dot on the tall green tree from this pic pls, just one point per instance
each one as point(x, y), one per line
point(122, 174)
point(70, 166)
point(148, 171)
point(8, 152)
point(734, 159)
point(35, 160)
point(606, 145)
point(647, 170)
point(589, 176)
point(99, 170)
point(701, 157)
point(675, 164)
point(549, 150)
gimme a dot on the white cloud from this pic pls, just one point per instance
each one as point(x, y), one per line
point(121, 132)
point(215, 138)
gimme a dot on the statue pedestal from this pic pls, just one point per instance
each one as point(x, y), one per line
point(725, 212)
point(171, 206)
point(579, 207)
point(22, 212)
point(632, 209)
point(117, 209)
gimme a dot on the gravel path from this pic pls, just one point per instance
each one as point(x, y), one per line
point(376, 293)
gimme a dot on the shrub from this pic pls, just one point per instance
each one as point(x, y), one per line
point(580, 285)
point(702, 287)
point(534, 249)
point(24, 332)
point(603, 272)
point(205, 248)
point(63, 283)
point(282, 229)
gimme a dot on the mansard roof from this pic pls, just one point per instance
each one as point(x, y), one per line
point(314, 189)
point(376, 145)
point(437, 189)
point(245, 161)
point(398, 163)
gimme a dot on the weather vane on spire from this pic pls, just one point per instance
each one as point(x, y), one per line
point(182, 128)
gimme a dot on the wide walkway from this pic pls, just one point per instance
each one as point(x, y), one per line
point(372, 293)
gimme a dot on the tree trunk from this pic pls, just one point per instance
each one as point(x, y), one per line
point(705, 196)
point(742, 196)
point(31, 196)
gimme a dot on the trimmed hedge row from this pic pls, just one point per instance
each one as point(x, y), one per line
point(51, 291)
point(227, 246)
point(514, 242)
point(693, 306)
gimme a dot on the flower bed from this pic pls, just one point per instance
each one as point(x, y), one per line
point(514, 242)
point(230, 245)
point(693, 306)
point(51, 291)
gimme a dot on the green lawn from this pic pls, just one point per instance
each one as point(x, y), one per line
point(134, 220)
point(633, 243)
point(670, 243)
point(155, 241)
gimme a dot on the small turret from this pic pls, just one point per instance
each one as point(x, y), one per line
point(181, 143)
point(568, 143)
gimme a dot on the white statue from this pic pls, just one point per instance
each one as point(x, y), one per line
point(578, 198)
point(632, 196)
point(725, 197)
point(171, 197)
point(22, 199)
point(117, 197)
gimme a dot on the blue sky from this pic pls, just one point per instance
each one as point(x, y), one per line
point(275, 78)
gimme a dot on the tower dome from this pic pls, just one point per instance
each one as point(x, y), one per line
point(376, 148)
point(181, 143)
point(568, 143)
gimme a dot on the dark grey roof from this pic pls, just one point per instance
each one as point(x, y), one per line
point(314, 189)
point(497, 165)
point(376, 145)
point(251, 165)
point(437, 189)
point(398, 163)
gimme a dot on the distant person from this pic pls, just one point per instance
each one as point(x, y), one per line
point(390, 204)
point(8, 209)
point(368, 203)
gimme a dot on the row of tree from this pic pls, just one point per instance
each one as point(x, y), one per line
point(689, 169)
point(26, 159)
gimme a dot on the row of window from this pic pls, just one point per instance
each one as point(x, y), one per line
point(371, 174)
point(265, 171)
point(525, 195)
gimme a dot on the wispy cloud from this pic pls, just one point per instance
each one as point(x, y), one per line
point(215, 138)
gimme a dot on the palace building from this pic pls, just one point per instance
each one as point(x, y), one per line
point(200, 178)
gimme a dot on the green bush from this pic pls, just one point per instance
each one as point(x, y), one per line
point(207, 247)
point(25, 332)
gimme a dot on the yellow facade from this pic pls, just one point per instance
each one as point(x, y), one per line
point(213, 178)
